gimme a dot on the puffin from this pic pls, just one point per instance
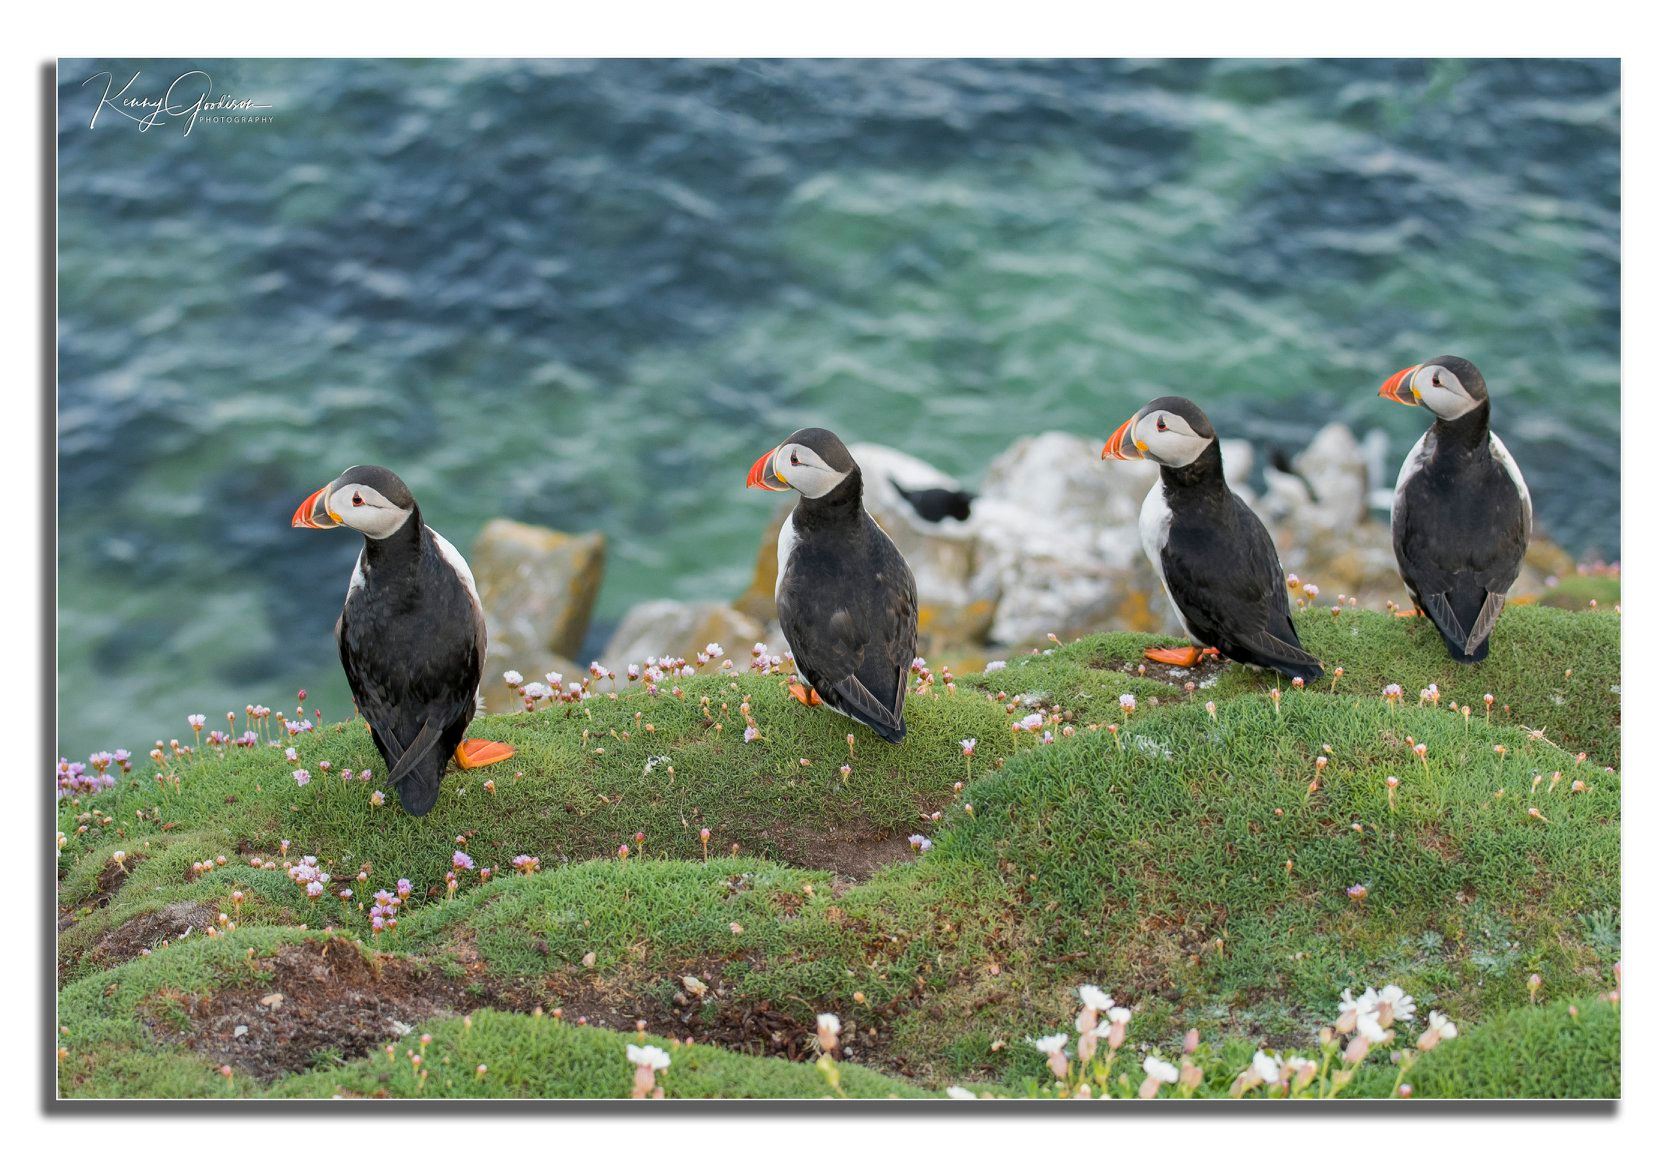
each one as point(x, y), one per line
point(1213, 556)
point(937, 503)
point(411, 635)
point(845, 596)
point(1461, 510)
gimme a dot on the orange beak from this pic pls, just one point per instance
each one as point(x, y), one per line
point(1398, 388)
point(312, 513)
point(762, 476)
point(1122, 446)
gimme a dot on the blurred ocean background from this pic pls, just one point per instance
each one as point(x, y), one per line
point(588, 294)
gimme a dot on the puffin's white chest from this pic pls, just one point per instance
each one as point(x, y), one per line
point(358, 577)
point(1154, 522)
point(1408, 467)
point(784, 544)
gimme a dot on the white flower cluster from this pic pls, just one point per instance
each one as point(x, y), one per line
point(1366, 1020)
point(1372, 1015)
point(651, 1056)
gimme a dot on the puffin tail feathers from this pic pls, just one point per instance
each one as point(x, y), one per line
point(418, 792)
point(1287, 659)
point(417, 775)
point(1481, 633)
point(894, 733)
point(1464, 646)
point(851, 698)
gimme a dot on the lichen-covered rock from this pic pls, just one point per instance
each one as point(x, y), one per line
point(538, 589)
point(668, 627)
point(943, 627)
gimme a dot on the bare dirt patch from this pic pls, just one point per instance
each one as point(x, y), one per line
point(668, 1005)
point(112, 877)
point(852, 853)
point(332, 999)
point(149, 930)
point(753, 1028)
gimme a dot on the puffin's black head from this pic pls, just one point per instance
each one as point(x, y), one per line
point(1171, 431)
point(1448, 386)
point(812, 461)
point(370, 499)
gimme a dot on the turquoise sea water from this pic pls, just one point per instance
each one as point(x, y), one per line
point(589, 294)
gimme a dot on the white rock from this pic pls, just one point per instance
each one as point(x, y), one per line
point(1238, 459)
point(1286, 498)
point(1334, 465)
point(668, 627)
point(882, 463)
point(1058, 547)
point(940, 554)
point(1374, 450)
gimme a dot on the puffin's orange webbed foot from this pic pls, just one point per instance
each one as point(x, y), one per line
point(481, 753)
point(1178, 656)
point(800, 693)
point(1410, 614)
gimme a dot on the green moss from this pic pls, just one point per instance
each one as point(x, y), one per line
point(1197, 866)
point(1548, 669)
point(635, 915)
point(1575, 592)
point(526, 1057)
point(1555, 1050)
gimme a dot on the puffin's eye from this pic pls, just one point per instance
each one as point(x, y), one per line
point(795, 458)
point(1160, 425)
point(356, 499)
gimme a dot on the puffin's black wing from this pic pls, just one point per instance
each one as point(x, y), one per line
point(414, 677)
point(853, 634)
point(1459, 537)
point(367, 690)
point(1225, 578)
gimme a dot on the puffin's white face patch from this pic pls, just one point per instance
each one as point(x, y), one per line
point(363, 508)
point(804, 470)
point(1440, 390)
point(1167, 438)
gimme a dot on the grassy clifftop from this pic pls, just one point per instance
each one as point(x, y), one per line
point(1196, 862)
